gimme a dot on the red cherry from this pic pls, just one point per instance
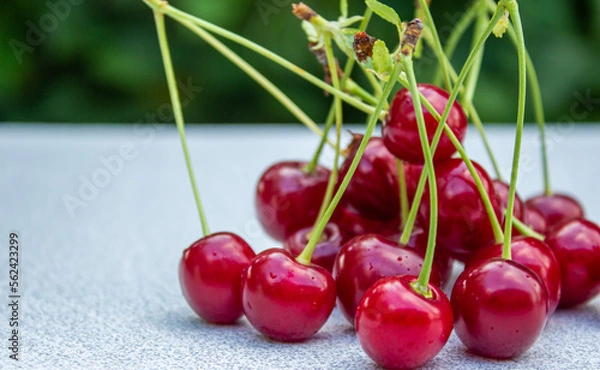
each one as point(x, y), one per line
point(399, 328)
point(400, 129)
point(576, 244)
point(556, 208)
point(442, 259)
point(210, 273)
point(288, 198)
point(352, 223)
point(373, 191)
point(502, 190)
point(367, 258)
point(500, 308)
point(284, 299)
point(413, 174)
point(325, 251)
point(533, 254)
point(463, 224)
point(534, 219)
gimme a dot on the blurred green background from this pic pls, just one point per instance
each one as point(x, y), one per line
point(98, 61)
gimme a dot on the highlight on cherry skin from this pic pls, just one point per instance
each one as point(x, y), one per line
point(399, 328)
point(400, 131)
point(463, 223)
point(284, 299)
point(556, 208)
point(576, 244)
point(502, 189)
point(325, 251)
point(367, 258)
point(210, 273)
point(533, 254)
point(288, 197)
point(373, 191)
point(500, 308)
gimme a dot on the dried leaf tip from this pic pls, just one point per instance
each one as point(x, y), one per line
point(303, 11)
point(411, 36)
point(363, 46)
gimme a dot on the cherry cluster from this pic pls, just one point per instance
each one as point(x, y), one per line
point(380, 235)
point(498, 307)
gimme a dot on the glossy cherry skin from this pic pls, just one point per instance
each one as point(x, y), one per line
point(500, 308)
point(463, 224)
point(399, 328)
point(556, 208)
point(373, 191)
point(502, 190)
point(325, 251)
point(534, 219)
point(210, 273)
point(576, 245)
point(284, 299)
point(288, 198)
point(401, 133)
point(367, 258)
point(533, 254)
point(352, 223)
point(442, 259)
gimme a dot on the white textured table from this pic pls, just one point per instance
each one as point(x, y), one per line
point(97, 275)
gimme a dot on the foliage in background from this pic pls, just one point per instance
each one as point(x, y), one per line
point(100, 62)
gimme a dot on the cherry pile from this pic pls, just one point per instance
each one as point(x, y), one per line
point(379, 235)
point(497, 307)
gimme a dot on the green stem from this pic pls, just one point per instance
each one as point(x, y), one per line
point(404, 205)
point(414, 208)
point(457, 32)
point(473, 76)
point(389, 85)
point(173, 92)
point(180, 16)
point(354, 89)
point(476, 120)
point(314, 162)
point(306, 255)
point(422, 283)
point(350, 63)
point(256, 76)
point(538, 108)
point(513, 9)
point(526, 230)
point(451, 99)
point(438, 45)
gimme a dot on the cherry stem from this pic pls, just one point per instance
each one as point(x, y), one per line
point(314, 162)
point(404, 204)
point(306, 255)
point(330, 116)
point(536, 96)
point(470, 108)
point(526, 230)
point(318, 230)
point(421, 285)
point(181, 17)
point(473, 77)
point(258, 77)
point(438, 46)
point(174, 94)
point(513, 10)
point(476, 120)
point(457, 32)
point(438, 133)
